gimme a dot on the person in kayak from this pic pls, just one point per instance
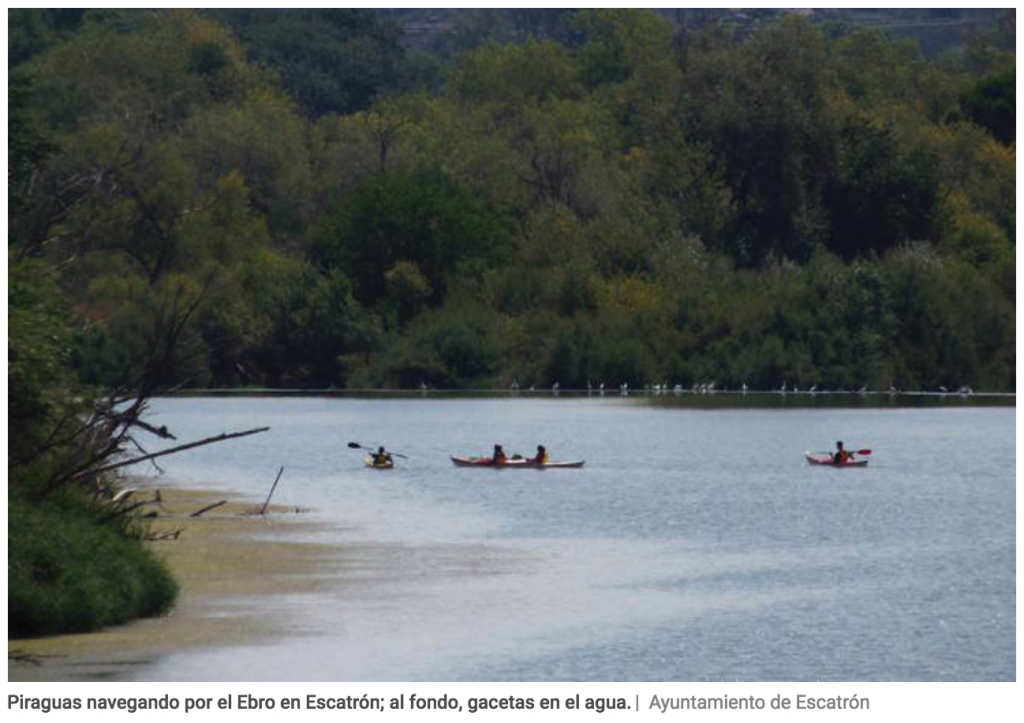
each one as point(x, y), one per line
point(841, 456)
point(499, 455)
point(380, 457)
point(542, 455)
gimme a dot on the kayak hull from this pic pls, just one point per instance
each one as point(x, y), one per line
point(513, 463)
point(368, 461)
point(824, 459)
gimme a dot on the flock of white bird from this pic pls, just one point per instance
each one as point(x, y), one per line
point(712, 388)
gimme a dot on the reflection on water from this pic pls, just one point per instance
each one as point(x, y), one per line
point(695, 544)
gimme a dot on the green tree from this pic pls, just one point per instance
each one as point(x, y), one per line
point(265, 142)
point(619, 43)
point(32, 30)
point(448, 348)
point(883, 194)
point(422, 218)
point(39, 347)
point(329, 60)
point(27, 148)
point(515, 75)
point(318, 332)
point(992, 104)
point(763, 109)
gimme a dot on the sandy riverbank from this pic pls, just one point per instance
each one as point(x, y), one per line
point(225, 562)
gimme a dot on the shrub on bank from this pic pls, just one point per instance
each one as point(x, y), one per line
point(70, 571)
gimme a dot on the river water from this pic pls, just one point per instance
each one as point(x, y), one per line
point(696, 544)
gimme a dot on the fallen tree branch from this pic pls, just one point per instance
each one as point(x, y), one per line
point(172, 450)
point(158, 431)
point(208, 508)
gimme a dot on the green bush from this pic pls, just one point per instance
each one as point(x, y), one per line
point(68, 571)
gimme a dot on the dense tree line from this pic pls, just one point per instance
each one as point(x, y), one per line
point(594, 198)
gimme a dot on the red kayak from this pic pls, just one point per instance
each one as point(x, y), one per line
point(513, 463)
point(825, 459)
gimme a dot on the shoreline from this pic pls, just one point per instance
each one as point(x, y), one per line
point(228, 562)
point(687, 393)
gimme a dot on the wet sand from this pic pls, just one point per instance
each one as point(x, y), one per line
point(226, 562)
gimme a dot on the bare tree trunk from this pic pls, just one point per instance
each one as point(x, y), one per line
point(274, 487)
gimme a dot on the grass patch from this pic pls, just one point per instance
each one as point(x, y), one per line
point(70, 571)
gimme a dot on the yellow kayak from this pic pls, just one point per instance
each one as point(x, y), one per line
point(368, 461)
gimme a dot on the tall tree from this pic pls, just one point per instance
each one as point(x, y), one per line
point(329, 60)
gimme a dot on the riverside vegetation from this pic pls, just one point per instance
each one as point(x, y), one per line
point(200, 199)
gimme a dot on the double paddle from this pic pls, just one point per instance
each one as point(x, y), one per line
point(356, 445)
point(861, 452)
point(852, 452)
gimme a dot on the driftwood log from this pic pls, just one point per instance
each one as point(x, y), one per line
point(214, 506)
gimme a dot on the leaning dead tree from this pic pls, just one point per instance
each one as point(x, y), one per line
point(173, 450)
point(99, 435)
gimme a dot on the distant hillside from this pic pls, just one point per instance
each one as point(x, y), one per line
point(935, 30)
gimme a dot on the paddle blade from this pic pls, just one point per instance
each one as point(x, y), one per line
point(864, 452)
point(355, 445)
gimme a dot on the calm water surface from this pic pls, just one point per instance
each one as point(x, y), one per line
point(696, 544)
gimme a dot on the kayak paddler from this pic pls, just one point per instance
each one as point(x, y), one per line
point(499, 455)
point(542, 455)
point(841, 456)
point(380, 457)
